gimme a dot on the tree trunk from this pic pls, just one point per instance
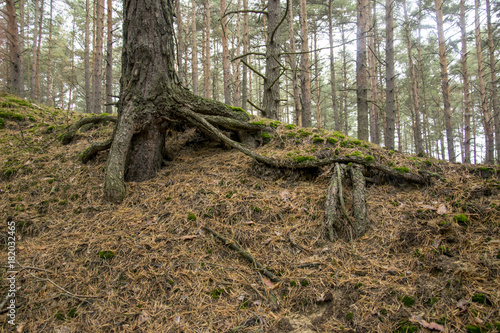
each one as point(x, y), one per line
point(417, 130)
point(48, 98)
point(336, 119)
point(98, 47)
point(16, 76)
point(363, 9)
point(398, 126)
point(390, 112)
point(206, 61)
point(293, 66)
point(38, 52)
point(306, 74)
point(72, 72)
point(21, 45)
point(467, 112)
point(244, 83)
point(372, 69)
point(225, 55)
point(488, 131)
point(493, 81)
point(319, 120)
point(34, 53)
point(443, 62)
point(237, 63)
point(86, 59)
point(344, 81)
point(180, 42)
point(109, 59)
point(271, 98)
point(194, 50)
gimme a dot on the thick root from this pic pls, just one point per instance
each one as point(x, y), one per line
point(91, 151)
point(67, 137)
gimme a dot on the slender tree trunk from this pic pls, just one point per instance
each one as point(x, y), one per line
point(244, 83)
point(444, 81)
point(319, 121)
point(21, 45)
point(109, 58)
point(398, 108)
point(467, 110)
point(72, 75)
point(493, 81)
point(336, 119)
point(363, 9)
point(34, 53)
point(48, 98)
point(16, 76)
point(372, 70)
point(237, 63)
point(418, 78)
point(417, 130)
point(98, 47)
point(271, 98)
point(38, 52)
point(180, 41)
point(293, 66)
point(390, 113)
point(344, 81)
point(225, 55)
point(194, 50)
point(86, 59)
point(306, 83)
point(206, 61)
point(488, 131)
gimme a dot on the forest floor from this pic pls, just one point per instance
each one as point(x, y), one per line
point(430, 261)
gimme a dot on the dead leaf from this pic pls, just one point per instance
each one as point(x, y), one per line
point(431, 326)
point(143, 317)
point(20, 328)
point(428, 207)
point(188, 237)
point(267, 241)
point(436, 243)
point(250, 222)
point(463, 304)
point(442, 209)
point(268, 283)
point(285, 195)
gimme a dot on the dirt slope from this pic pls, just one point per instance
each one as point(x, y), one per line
point(147, 265)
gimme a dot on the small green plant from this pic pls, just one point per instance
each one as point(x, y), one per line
point(349, 316)
point(332, 140)
point(428, 162)
point(358, 285)
point(261, 122)
point(408, 301)
point(256, 209)
point(191, 217)
point(498, 255)
point(300, 159)
point(473, 329)
point(461, 219)
point(293, 283)
point(318, 140)
point(383, 312)
point(290, 126)
point(432, 301)
point(479, 298)
point(216, 293)
point(369, 158)
point(406, 327)
point(304, 133)
point(2, 123)
point(72, 313)
point(106, 254)
point(59, 315)
point(304, 282)
point(274, 124)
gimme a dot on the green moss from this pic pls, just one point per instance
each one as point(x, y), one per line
point(300, 159)
point(59, 315)
point(191, 217)
point(216, 293)
point(358, 285)
point(350, 143)
point(304, 283)
point(498, 255)
point(406, 327)
point(291, 134)
point(261, 122)
point(401, 169)
point(21, 102)
point(72, 313)
point(2, 123)
point(274, 124)
point(332, 140)
point(369, 158)
point(318, 140)
point(290, 126)
point(473, 329)
point(304, 133)
point(256, 209)
point(106, 254)
point(357, 154)
point(338, 135)
point(479, 298)
point(408, 300)
point(104, 114)
point(349, 316)
point(391, 152)
point(293, 283)
point(11, 115)
point(461, 219)
point(428, 162)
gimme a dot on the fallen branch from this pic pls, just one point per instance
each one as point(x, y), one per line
point(235, 246)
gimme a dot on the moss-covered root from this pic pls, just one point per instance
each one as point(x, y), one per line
point(91, 151)
point(331, 210)
point(359, 201)
point(68, 136)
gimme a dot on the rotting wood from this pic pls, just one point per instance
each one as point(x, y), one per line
point(232, 244)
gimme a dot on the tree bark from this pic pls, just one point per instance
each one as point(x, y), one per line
point(98, 47)
point(361, 77)
point(38, 53)
point(244, 83)
point(237, 63)
point(293, 67)
point(443, 62)
point(417, 130)
point(225, 54)
point(493, 81)
point(467, 109)
point(337, 125)
point(180, 41)
point(86, 59)
point(34, 53)
point(488, 131)
point(48, 98)
point(372, 70)
point(271, 98)
point(194, 50)
point(306, 74)
point(390, 113)
point(319, 120)
point(16, 76)
point(206, 61)
point(109, 58)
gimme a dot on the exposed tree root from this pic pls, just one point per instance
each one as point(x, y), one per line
point(91, 151)
point(232, 244)
point(334, 226)
point(67, 137)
